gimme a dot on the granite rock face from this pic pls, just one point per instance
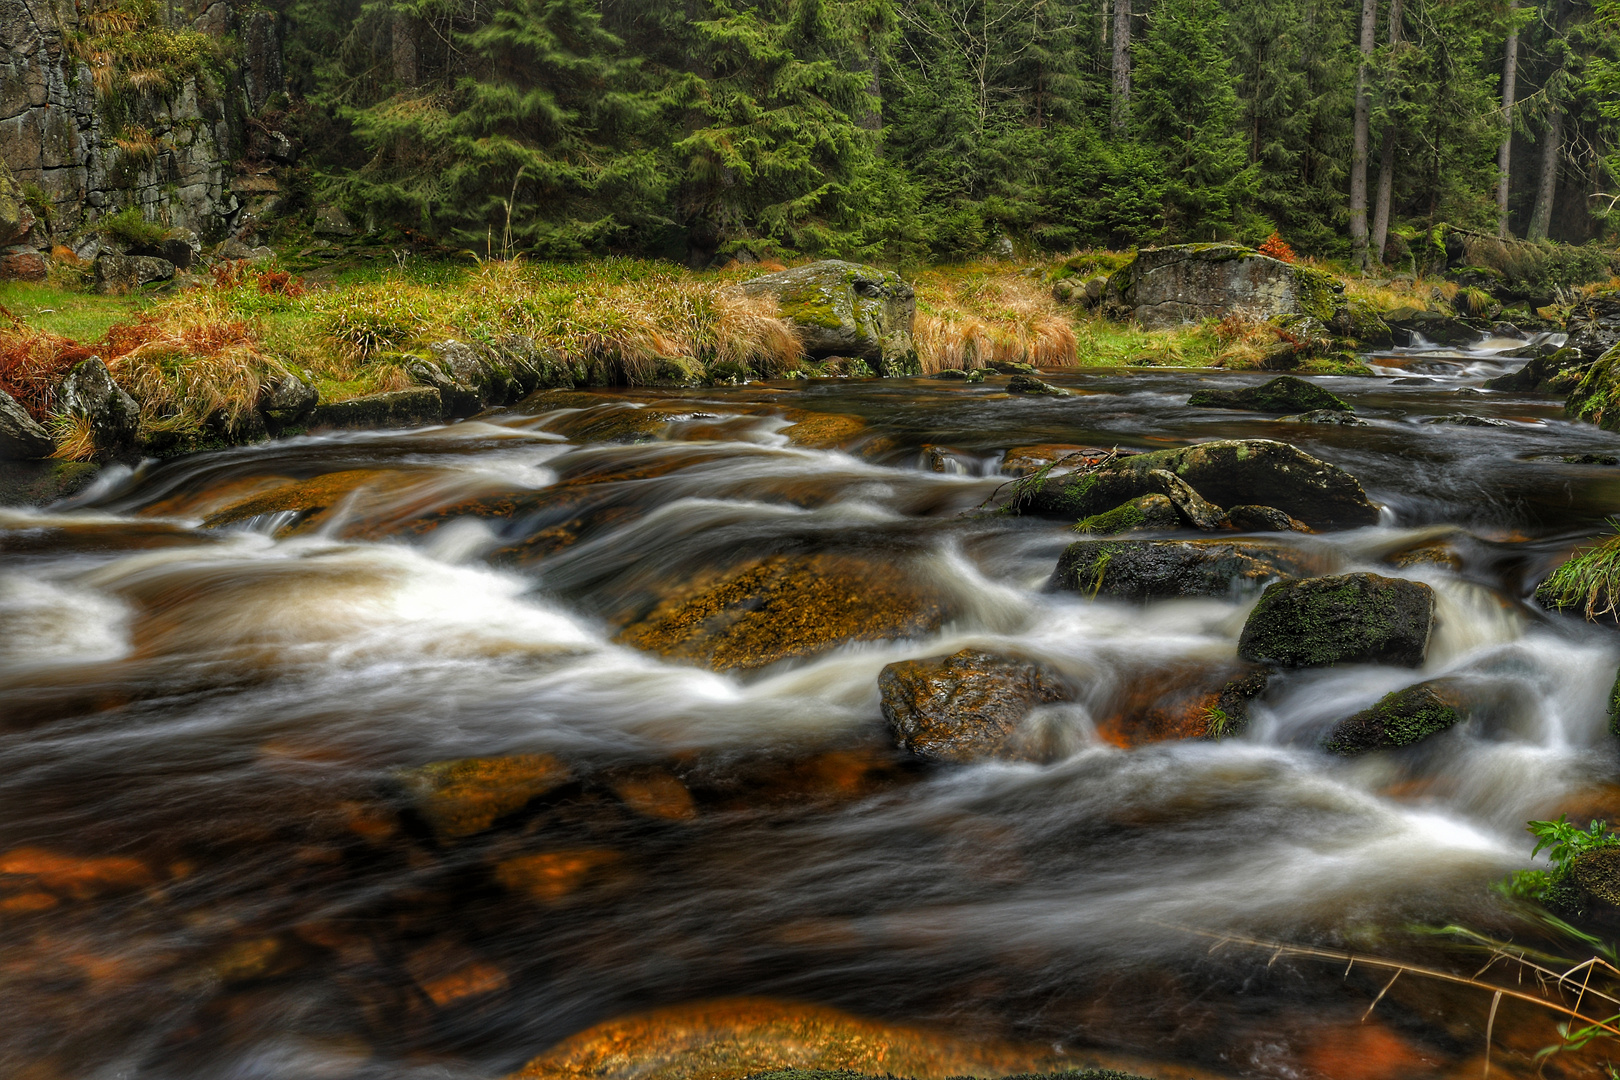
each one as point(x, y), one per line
point(88, 391)
point(1187, 283)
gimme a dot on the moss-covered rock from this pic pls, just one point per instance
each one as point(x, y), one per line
point(1284, 394)
point(1552, 371)
point(39, 483)
point(396, 409)
point(1143, 570)
point(1399, 719)
point(1187, 283)
point(1233, 472)
point(964, 707)
point(1229, 714)
point(1346, 619)
point(1324, 416)
point(1596, 398)
point(1026, 384)
point(1597, 874)
point(845, 309)
point(1360, 322)
point(1150, 512)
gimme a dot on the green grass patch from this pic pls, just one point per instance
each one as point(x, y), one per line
point(78, 315)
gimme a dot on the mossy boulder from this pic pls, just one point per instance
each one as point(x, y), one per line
point(39, 483)
point(787, 607)
point(1551, 371)
point(1142, 570)
point(1345, 619)
point(1597, 874)
point(1407, 324)
point(964, 707)
point(1263, 519)
point(1146, 514)
point(1188, 283)
point(89, 393)
point(1284, 394)
point(845, 309)
point(1399, 719)
point(1230, 472)
point(1361, 323)
point(1027, 384)
point(1596, 398)
point(395, 409)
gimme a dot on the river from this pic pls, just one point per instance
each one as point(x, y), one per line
point(210, 864)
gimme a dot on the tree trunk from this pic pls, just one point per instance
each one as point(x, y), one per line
point(1504, 156)
point(1358, 153)
point(1386, 163)
point(402, 39)
point(1122, 67)
point(1541, 216)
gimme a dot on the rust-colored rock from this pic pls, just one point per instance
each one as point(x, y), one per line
point(552, 876)
point(69, 875)
point(459, 798)
point(964, 707)
point(1024, 460)
point(822, 431)
point(1185, 701)
point(729, 1039)
point(308, 497)
point(787, 607)
point(655, 793)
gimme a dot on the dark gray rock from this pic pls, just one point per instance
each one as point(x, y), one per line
point(1263, 519)
point(845, 309)
point(1284, 394)
point(1467, 420)
point(1161, 569)
point(1552, 371)
point(1025, 384)
point(40, 483)
point(1231, 712)
point(1324, 416)
point(1347, 619)
point(1400, 719)
point(1234, 472)
point(21, 436)
point(1171, 286)
point(1193, 507)
point(964, 707)
point(290, 403)
point(126, 273)
point(398, 409)
point(1594, 325)
point(88, 391)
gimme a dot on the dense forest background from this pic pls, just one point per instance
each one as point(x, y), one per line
point(698, 129)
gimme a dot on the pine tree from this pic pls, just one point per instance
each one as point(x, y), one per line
point(1185, 103)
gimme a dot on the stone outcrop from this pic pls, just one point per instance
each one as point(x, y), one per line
point(1247, 472)
point(21, 436)
point(1143, 570)
point(88, 392)
point(1594, 325)
point(1284, 394)
point(396, 409)
point(964, 707)
point(1348, 619)
point(117, 274)
point(845, 309)
point(1171, 286)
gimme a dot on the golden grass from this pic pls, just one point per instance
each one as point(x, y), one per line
point(984, 313)
point(75, 437)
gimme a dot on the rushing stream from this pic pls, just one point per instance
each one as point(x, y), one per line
point(210, 864)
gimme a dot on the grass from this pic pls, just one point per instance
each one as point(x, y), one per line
point(1589, 582)
point(70, 313)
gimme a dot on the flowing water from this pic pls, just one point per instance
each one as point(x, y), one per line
point(211, 864)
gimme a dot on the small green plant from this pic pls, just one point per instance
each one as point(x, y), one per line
point(129, 226)
point(1590, 580)
point(1563, 843)
point(1474, 301)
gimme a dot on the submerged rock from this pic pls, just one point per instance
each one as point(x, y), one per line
point(1325, 416)
point(1150, 512)
point(459, 798)
point(1467, 420)
point(845, 309)
point(1161, 569)
point(785, 607)
point(1347, 619)
point(1228, 473)
point(21, 436)
point(1284, 394)
point(1028, 384)
point(89, 393)
point(963, 707)
point(1399, 719)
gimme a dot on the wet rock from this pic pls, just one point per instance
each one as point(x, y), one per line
point(1011, 367)
point(964, 707)
point(1026, 384)
point(655, 793)
point(1148, 513)
point(1467, 420)
point(1435, 553)
point(1171, 286)
point(1325, 416)
point(89, 393)
point(1346, 619)
point(39, 483)
point(1194, 509)
point(553, 876)
point(1590, 459)
point(1161, 569)
point(1263, 519)
point(1557, 371)
point(301, 497)
point(289, 403)
point(950, 374)
point(1399, 719)
point(823, 431)
point(740, 1037)
point(1229, 714)
point(126, 273)
point(21, 436)
point(1597, 874)
point(1228, 473)
point(1023, 460)
point(844, 309)
point(787, 607)
point(72, 876)
point(1284, 394)
point(1594, 324)
point(1407, 324)
point(449, 973)
point(396, 409)
point(460, 798)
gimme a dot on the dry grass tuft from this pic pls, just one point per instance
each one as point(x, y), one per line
point(986, 313)
point(32, 363)
point(75, 437)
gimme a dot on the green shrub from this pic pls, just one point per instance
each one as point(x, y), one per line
point(1564, 844)
point(129, 226)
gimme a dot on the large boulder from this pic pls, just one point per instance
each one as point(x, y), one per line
point(289, 403)
point(1399, 719)
point(21, 436)
point(845, 309)
point(1150, 513)
point(1171, 286)
point(1594, 324)
point(963, 707)
point(1284, 394)
point(1160, 569)
point(395, 409)
point(1231, 472)
point(1346, 619)
point(126, 273)
point(1550, 371)
point(89, 394)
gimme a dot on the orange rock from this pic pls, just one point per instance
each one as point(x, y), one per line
point(1365, 1051)
point(822, 431)
point(80, 878)
point(1168, 703)
point(552, 875)
point(313, 497)
point(474, 980)
point(211, 500)
point(459, 798)
point(657, 794)
point(28, 901)
point(723, 1040)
